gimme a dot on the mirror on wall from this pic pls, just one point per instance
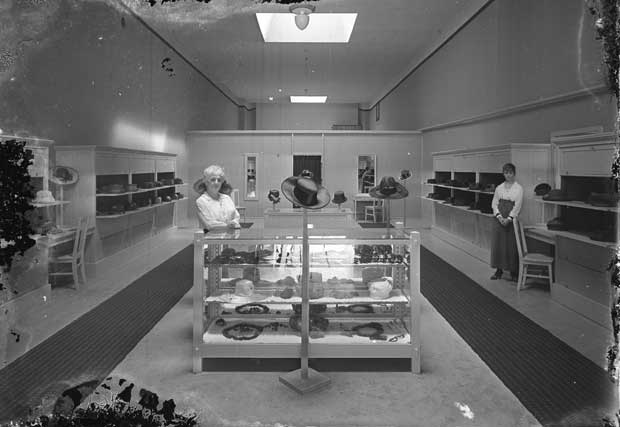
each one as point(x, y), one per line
point(250, 163)
point(366, 172)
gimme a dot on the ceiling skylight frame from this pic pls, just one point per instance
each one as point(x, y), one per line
point(322, 28)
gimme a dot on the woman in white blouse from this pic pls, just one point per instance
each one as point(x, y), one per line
point(216, 210)
point(506, 206)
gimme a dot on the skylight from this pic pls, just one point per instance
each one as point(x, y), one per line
point(308, 99)
point(322, 28)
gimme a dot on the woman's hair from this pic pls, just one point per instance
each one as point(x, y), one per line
point(214, 170)
point(509, 167)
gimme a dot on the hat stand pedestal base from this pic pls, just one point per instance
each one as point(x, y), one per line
point(274, 207)
point(305, 380)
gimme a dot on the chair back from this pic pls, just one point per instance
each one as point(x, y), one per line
point(235, 196)
point(80, 238)
point(520, 238)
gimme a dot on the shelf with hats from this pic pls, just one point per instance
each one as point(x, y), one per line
point(125, 191)
point(356, 310)
point(578, 204)
point(468, 177)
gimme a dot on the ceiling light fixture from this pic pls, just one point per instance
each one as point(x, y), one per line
point(302, 12)
point(308, 99)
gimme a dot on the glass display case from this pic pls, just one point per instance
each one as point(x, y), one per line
point(364, 290)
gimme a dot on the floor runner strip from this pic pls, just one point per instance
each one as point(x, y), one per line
point(92, 345)
point(557, 384)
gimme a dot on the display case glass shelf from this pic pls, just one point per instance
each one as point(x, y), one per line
point(247, 294)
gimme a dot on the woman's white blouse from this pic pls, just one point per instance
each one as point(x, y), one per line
point(217, 213)
point(514, 193)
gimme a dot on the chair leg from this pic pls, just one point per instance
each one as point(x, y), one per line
point(83, 270)
point(550, 268)
point(74, 271)
point(521, 279)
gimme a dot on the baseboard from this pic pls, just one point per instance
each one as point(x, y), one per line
point(128, 254)
point(592, 310)
point(471, 249)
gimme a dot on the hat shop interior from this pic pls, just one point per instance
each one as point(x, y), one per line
point(381, 265)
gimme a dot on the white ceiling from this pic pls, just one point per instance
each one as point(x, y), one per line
point(390, 37)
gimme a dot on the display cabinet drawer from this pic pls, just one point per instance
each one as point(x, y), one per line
point(111, 164)
point(442, 163)
point(587, 161)
point(164, 165)
point(142, 164)
point(591, 284)
point(586, 255)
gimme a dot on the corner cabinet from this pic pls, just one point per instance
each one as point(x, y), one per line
point(464, 215)
point(247, 295)
point(132, 195)
point(586, 244)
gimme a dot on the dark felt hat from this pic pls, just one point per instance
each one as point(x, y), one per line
point(274, 196)
point(603, 199)
point(557, 224)
point(63, 175)
point(339, 197)
point(388, 188)
point(405, 174)
point(542, 189)
point(475, 186)
point(556, 195)
point(302, 190)
point(604, 235)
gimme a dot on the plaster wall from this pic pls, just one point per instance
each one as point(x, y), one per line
point(304, 116)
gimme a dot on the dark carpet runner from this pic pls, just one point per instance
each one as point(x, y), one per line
point(374, 225)
point(92, 345)
point(558, 385)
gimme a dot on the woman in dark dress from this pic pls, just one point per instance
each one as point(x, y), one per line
point(506, 206)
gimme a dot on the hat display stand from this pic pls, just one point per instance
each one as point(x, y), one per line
point(62, 183)
point(404, 177)
point(305, 380)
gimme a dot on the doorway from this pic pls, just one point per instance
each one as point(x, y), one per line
point(311, 162)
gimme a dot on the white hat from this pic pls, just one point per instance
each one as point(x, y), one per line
point(44, 196)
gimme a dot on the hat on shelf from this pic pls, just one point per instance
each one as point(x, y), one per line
point(274, 196)
point(339, 197)
point(604, 235)
point(178, 181)
point(388, 188)
point(603, 199)
point(302, 190)
point(44, 196)
point(542, 189)
point(557, 224)
point(63, 175)
point(556, 195)
point(475, 186)
point(405, 174)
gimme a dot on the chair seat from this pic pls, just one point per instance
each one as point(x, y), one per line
point(537, 258)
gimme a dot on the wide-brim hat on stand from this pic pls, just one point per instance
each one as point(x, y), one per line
point(44, 196)
point(389, 188)
point(63, 175)
point(542, 189)
point(302, 190)
point(339, 197)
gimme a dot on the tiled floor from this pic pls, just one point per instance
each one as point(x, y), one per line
point(67, 304)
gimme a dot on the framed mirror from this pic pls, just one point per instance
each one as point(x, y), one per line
point(250, 162)
point(366, 172)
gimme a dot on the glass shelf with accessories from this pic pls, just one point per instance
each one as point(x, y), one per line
point(253, 309)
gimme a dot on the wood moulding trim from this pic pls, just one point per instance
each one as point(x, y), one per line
point(520, 108)
point(106, 149)
point(300, 132)
point(542, 146)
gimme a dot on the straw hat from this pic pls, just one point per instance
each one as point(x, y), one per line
point(63, 175)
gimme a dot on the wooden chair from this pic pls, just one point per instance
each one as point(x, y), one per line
point(240, 209)
point(374, 211)
point(530, 259)
point(76, 258)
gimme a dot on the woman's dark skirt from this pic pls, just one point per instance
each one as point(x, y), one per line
point(504, 253)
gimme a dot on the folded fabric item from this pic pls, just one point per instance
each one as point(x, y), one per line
point(557, 195)
point(542, 189)
point(603, 199)
point(557, 224)
point(605, 235)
